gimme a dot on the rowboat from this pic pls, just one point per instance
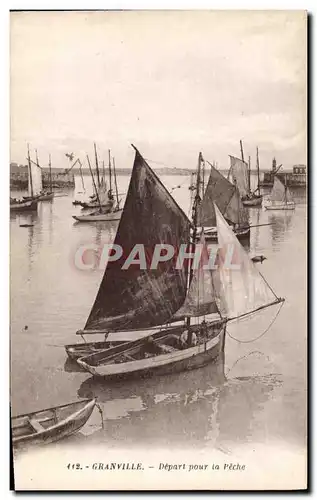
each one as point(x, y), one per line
point(23, 206)
point(51, 424)
point(180, 312)
point(280, 197)
point(114, 215)
point(75, 351)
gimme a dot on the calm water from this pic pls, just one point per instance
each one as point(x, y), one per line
point(260, 399)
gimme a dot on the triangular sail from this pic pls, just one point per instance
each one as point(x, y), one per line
point(239, 174)
point(103, 192)
point(36, 173)
point(280, 193)
point(204, 291)
point(243, 286)
point(227, 197)
point(134, 297)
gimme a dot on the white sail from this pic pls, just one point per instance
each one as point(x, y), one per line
point(36, 179)
point(243, 286)
point(203, 292)
point(35, 185)
point(280, 193)
point(103, 193)
point(239, 174)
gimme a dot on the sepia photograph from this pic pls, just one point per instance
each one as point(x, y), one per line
point(158, 250)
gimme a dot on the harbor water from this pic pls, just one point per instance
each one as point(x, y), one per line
point(257, 397)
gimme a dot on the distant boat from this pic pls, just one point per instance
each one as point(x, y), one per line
point(108, 208)
point(35, 181)
point(22, 205)
point(178, 311)
point(280, 197)
point(227, 197)
point(240, 173)
point(51, 424)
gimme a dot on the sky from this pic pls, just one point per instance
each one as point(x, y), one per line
point(171, 82)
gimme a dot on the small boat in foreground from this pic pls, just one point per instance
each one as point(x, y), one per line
point(51, 424)
point(280, 198)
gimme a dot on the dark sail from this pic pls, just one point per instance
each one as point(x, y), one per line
point(227, 197)
point(138, 298)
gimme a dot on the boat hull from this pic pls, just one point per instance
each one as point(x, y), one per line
point(212, 236)
point(253, 202)
point(79, 413)
point(46, 197)
point(164, 364)
point(25, 206)
point(289, 206)
point(112, 216)
point(75, 351)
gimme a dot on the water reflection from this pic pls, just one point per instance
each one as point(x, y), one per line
point(280, 225)
point(198, 408)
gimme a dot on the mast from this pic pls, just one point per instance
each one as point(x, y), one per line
point(103, 171)
point(81, 174)
point(241, 149)
point(93, 180)
point(258, 167)
point(97, 167)
point(115, 180)
point(50, 171)
point(30, 171)
point(110, 182)
point(196, 204)
point(249, 174)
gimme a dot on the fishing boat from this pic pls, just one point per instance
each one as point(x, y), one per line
point(108, 208)
point(75, 351)
point(35, 183)
point(30, 202)
point(280, 197)
point(51, 424)
point(22, 205)
point(179, 310)
point(226, 195)
point(240, 174)
point(253, 198)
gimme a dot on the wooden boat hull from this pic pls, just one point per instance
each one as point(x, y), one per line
point(211, 235)
point(253, 202)
point(46, 197)
point(75, 351)
point(24, 206)
point(289, 206)
point(52, 424)
point(162, 364)
point(111, 216)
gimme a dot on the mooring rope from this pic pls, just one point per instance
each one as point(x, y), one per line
point(243, 357)
point(262, 334)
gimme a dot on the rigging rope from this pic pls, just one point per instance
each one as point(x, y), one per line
point(262, 334)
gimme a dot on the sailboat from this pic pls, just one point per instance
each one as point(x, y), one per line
point(29, 202)
point(240, 173)
point(108, 208)
point(48, 194)
point(178, 310)
point(226, 195)
point(280, 198)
